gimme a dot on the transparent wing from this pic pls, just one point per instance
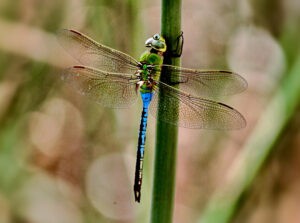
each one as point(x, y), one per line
point(201, 83)
point(194, 112)
point(109, 89)
point(92, 54)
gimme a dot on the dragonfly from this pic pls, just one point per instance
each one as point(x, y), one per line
point(115, 79)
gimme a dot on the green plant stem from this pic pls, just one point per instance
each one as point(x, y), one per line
point(256, 150)
point(166, 134)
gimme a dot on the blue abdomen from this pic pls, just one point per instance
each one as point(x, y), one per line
point(146, 97)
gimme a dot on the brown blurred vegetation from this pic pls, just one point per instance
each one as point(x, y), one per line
point(66, 159)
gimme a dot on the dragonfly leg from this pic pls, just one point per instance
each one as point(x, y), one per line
point(179, 46)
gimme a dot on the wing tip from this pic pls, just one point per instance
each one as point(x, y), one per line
point(242, 123)
point(63, 31)
point(74, 31)
point(243, 81)
point(79, 67)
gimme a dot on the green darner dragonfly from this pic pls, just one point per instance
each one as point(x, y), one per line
point(113, 79)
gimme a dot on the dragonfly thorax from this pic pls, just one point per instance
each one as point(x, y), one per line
point(149, 70)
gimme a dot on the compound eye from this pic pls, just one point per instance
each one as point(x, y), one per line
point(156, 36)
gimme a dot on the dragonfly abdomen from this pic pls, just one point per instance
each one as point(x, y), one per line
point(146, 97)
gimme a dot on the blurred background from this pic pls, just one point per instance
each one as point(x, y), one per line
point(66, 159)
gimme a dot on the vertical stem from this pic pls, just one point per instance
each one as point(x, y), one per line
point(166, 135)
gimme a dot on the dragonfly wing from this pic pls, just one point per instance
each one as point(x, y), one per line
point(92, 54)
point(194, 112)
point(208, 84)
point(109, 89)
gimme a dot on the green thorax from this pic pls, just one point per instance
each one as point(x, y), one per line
point(149, 58)
point(149, 75)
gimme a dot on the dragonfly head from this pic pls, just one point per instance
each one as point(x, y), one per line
point(157, 42)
